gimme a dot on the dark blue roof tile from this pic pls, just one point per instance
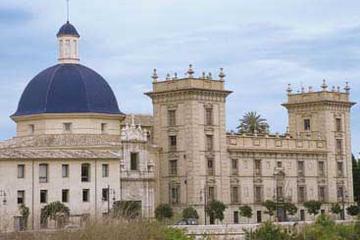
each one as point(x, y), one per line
point(68, 29)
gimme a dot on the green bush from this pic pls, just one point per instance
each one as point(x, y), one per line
point(190, 212)
point(269, 231)
point(216, 209)
point(163, 211)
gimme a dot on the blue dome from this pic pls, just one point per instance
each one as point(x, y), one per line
point(67, 88)
point(68, 29)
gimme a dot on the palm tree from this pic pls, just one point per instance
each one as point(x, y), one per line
point(252, 122)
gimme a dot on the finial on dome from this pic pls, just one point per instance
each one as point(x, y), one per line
point(190, 71)
point(68, 11)
point(324, 86)
point(289, 89)
point(347, 87)
point(155, 76)
point(222, 75)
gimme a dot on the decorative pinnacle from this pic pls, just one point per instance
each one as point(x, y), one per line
point(333, 88)
point(190, 71)
point(310, 89)
point(324, 85)
point(347, 87)
point(155, 76)
point(175, 76)
point(338, 88)
point(168, 76)
point(203, 75)
point(289, 89)
point(209, 76)
point(222, 74)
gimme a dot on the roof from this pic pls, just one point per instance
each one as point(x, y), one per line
point(142, 119)
point(67, 88)
point(67, 29)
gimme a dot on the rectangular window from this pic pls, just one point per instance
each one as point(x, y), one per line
point(236, 217)
point(339, 146)
point(65, 195)
point(234, 194)
point(322, 194)
point(21, 171)
point(208, 116)
point(85, 172)
point(258, 194)
point(210, 165)
point(302, 215)
point(173, 167)
point(279, 192)
point(21, 197)
point(340, 169)
point(105, 170)
point(211, 193)
point(67, 127)
point(338, 125)
point(175, 194)
point(172, 143)
point(43, 173)
point(65, 170)
point(209, 143)
point(307, 125)
point(103, 128)
point(86, 195)
point(301, 168)
point(31, 129)
point(321, 166)
point(105, 194)
point(43, 196)
point(134, 161)
point(257, 167)
point(172, 117)
point(301, 194)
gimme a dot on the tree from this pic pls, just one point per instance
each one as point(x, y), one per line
point(24, 212)
point(353, 210)
point(336, 208)
point(246, 211)
point(52, 210)
point(190, 212)
point(126, 209)
point(163, 211)
point(216, 209)
point(252, 122)
point(290, 208)
point(313, 207)
point(270, 207)
point(356, 178)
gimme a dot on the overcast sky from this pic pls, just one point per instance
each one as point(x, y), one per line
point(262, 45)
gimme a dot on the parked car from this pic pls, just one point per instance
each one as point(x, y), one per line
point(188, 221)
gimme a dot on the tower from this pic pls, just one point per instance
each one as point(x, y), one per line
point(190, 128)
point(325, 115)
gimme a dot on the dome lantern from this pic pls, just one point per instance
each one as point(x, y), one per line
point(68, 39)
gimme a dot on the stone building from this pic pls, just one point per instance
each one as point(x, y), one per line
point(74, 145)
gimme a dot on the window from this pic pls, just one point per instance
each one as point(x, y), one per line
point(43, 196)
point(105, 170)
point(31, 129)
point(21, 171)
point(105, 194)
point(211, 193)
point(338, 125)
point(175, 194)
point(65, 195)
point(321, 166)
point(301, 194)
point(322, 194)
point(173, 167)
point(257, 167)
point(85, 195)
point(21, 197)
point(307, 125)
point(208, 116)
point(172, 143)
point(279, 192)
point(209, 143)
point(279, 164)
point(210, 165)
point(302, 215)
point(103, 128)
point(43, 173)
point(85, 172)
point(67, 48)
point(258, 194)
point(134, 161)
point(236, 217)
point(67, 127)
point(75, 48)
point(339, 146)
point(301, 169)
point(234, 164)
point(234, 194)
point(340, 169)
point(172, 117)
point(65, 170)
